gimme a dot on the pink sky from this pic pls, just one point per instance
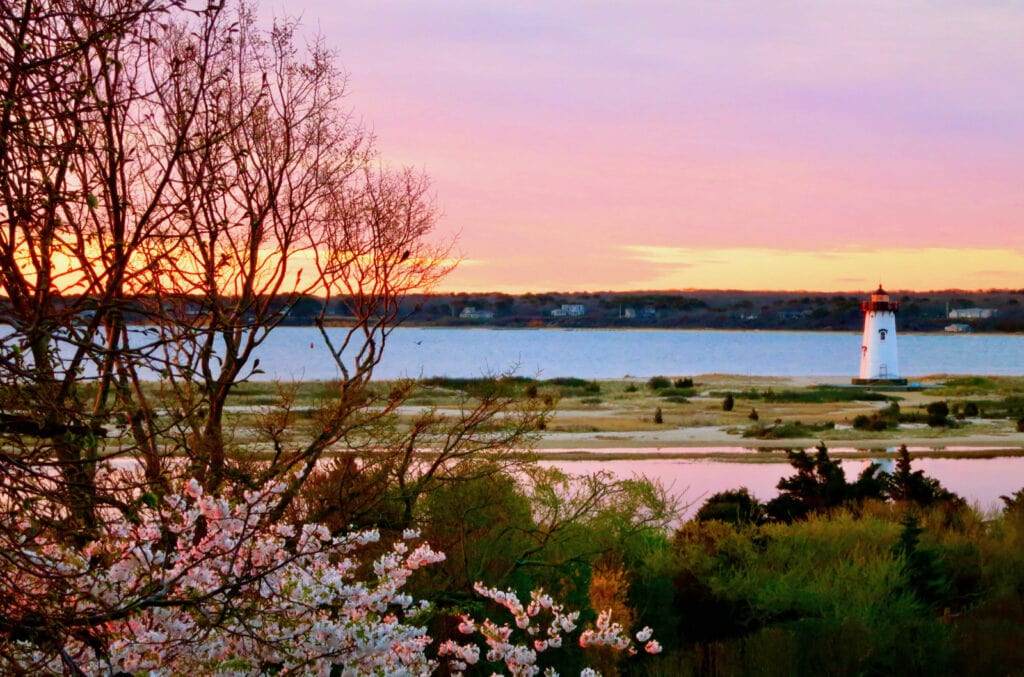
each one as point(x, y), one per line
point(651, 144)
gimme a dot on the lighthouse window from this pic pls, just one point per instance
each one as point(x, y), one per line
point(882, 333)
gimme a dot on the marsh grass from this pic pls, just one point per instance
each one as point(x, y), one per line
point(794, 429)
point(787, 410)
point(811, 394)
point(967, 386)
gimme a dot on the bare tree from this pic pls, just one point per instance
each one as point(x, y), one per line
point(172, 164)
point(84, 168)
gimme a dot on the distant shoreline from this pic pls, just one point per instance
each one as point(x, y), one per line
point(496, 327)
point(990, 311)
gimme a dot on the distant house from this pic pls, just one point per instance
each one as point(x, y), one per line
point(570, 310)
point(794, 314)
point(472, 313)
point(958, 328)
point(972, 313)
point(632, 312)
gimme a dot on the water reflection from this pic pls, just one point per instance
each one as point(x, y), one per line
point(981, 481)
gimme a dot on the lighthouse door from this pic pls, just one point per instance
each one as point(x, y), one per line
point(883, 371)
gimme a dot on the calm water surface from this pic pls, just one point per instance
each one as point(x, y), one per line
point(600, 353)
point(981, 481)
point(297, 353)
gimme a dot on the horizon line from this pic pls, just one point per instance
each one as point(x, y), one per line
point(947, 290)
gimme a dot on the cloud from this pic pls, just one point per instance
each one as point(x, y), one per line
point(785, 269)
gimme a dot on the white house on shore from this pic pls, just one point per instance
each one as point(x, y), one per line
point(472, 313)
point(570, 310)
point(972, 313)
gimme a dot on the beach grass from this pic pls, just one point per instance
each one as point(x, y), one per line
point(772, 410)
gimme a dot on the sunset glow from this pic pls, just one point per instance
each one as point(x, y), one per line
point(794, 145)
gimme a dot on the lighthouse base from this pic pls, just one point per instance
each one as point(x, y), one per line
point(879, 381)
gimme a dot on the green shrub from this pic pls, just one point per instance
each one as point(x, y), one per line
point(938, 413)
point(913, 486)
point(574, 387)
point(782, 431)
point(812, 395)
point(658, 382)
point(503, 386)
point(683, 382)
point(774, 599)
point(1014, 503)
point(728, 403)
point(736, 506)
point(820, 486)
point(567, 381)
point(873, 422)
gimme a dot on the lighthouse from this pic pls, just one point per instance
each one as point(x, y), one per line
point(879, 362)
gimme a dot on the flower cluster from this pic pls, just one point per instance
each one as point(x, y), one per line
point(230, 594)
point(203, 584)
point(519, 652)
point(607, 633)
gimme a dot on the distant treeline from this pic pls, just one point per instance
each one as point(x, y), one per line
point(919, 311)
point(1003, 310)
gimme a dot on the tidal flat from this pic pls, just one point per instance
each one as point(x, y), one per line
point(690, 416)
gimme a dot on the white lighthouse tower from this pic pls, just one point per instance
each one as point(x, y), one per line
point(879, 362)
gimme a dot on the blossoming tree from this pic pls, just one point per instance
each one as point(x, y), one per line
point(169, 163)
point(235, 594)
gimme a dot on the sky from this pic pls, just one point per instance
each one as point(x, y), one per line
point(681, 144)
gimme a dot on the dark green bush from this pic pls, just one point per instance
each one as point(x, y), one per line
point(503, 386)
point(873, 422)
point(677, 392)
point(736, 506)
point(1014, 503)
point(782, 431)
point(938, 413)
point(574, 387)
point(820, 486)
point(908, 485)
point(658, 382)
point(771, 601)
point(812, 395)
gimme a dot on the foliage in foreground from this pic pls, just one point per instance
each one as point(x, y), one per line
point(911, 579)
point(141, 596)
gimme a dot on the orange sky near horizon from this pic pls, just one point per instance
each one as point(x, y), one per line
point(599, 145)
point(665, 268)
